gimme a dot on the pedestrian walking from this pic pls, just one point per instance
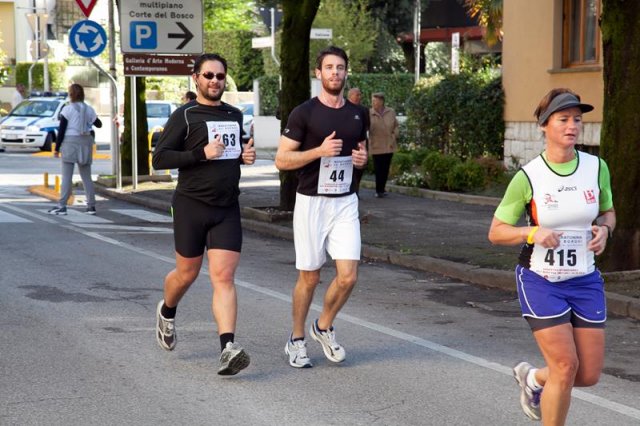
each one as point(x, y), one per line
point(354, 95)
point(324, 140)
point(189, 96)
point(566, 197)
point(202, 139)
point(75, 144)
point(18, 95)
point(383, 134)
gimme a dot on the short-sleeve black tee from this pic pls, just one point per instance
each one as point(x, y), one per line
point(312, 121)
point(181, 146)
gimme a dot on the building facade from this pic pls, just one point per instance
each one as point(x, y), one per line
point(549, 44)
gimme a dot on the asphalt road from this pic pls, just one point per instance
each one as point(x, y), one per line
point(77, 314)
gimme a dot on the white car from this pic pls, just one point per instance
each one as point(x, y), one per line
point(33, 123)
point(158, 113)
point(247, 119)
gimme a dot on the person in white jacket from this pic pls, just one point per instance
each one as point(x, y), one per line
point(75, 145)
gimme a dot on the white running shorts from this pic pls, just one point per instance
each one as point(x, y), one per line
point(325, 224)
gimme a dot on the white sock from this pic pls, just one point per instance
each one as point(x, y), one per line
point(531, 380)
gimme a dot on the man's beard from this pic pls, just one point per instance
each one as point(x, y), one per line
point(214, 98)
point(330, 90)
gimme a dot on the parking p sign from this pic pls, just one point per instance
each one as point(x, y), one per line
point(163, 27)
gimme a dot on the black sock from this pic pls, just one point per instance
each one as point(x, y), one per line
point(224, 339)
point(167, 312)
point(319, 329)
point(295, 339)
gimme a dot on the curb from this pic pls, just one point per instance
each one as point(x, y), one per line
point(616, 304)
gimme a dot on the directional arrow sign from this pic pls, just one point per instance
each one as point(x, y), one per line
point(168, 26)
point(185, 34)
point(87, 38)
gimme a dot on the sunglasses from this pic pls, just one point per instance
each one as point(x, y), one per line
point(209, 75)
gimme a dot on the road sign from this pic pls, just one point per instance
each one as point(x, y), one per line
point(260, 42)
point(86, 6)
point(38, 24)
point(170, 26)
point(87, 38)
point(155, 65)
point(321, 33)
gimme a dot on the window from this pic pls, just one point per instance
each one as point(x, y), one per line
point(581, 35)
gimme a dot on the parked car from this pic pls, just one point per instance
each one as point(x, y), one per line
point(33, 123)
point(158, 113)
point(247, 119)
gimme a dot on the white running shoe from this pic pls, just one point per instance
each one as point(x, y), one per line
point(327, 339)
point(233, 359)
point(529, 398)
point(165, 330)
point(297, 351)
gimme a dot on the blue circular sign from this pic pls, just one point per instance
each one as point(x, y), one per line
point(87, 38)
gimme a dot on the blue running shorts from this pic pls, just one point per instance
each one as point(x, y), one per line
point(580, 300)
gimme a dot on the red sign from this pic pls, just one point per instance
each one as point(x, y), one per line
point(152, 65)
point(86, 6)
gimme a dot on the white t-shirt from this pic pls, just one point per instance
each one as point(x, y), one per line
point(16, 99)
point(80, 117)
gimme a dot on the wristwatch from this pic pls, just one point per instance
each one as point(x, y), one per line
point(609, 231)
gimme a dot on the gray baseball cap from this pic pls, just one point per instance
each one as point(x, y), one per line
point(560, 102)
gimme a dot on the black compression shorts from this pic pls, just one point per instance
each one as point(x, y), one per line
point(197, 225)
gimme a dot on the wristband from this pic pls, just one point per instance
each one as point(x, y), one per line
point(609, 231)
point(531, 234)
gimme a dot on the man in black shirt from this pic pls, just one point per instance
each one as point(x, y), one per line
point(324, 141)
point(202, 140)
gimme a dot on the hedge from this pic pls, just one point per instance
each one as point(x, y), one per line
point(244, 63)
point(57, 78)
point(459, 114)
point(396, 88)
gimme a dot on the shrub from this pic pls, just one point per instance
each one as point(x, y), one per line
point(57, 80)
point(466, 176)
point(268, 94)
point(436, 167)
point(459, 114)
point(401, 162)
point(244, 63)
point(414, 179)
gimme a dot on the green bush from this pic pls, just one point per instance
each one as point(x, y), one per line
point(268, 92)
point(57, 79)
point(460, 114)
point(466, 176)
point(244, 64)
point(436, 167)
point(401, 162)
point(414, 179)
point(396, 88)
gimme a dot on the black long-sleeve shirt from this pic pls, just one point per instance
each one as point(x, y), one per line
point(181, 146)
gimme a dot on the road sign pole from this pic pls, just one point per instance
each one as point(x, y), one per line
point(134, 135)
point(115, 134)
point(273, 36)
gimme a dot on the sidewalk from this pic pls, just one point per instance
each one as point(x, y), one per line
point(418, 229)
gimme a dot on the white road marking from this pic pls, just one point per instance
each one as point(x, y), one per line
point(144, 215)
point(124, 228)
point(6, 217)
point(77, 216)
point(463, 356)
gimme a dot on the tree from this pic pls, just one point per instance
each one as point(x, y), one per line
point(489, 15)
point(229, 27)
point(396, 17)
point(298, 15)
point(142, 142)
point(620, 136)
point(354, 30)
